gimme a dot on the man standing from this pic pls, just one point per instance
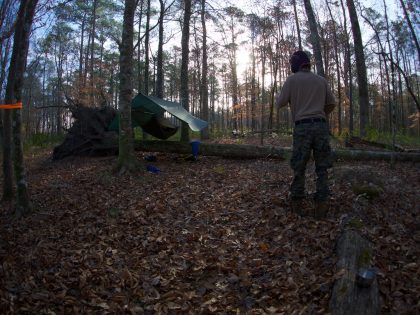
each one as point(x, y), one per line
point(310, 101)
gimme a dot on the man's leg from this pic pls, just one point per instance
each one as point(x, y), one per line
point(300, 156)
point(323, 161)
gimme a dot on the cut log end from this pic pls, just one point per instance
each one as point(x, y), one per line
point(354, 252)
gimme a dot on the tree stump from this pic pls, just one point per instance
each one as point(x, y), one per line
point(348, 298)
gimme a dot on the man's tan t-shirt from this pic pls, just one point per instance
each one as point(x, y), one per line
point(307, 93)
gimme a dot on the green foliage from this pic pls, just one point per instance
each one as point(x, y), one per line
point(218, 133)
point(386, 137)
point(374, 135)
point(356, 223)
point(369, 189)
point(42, 140)
point(341, 137)
point(219, 169)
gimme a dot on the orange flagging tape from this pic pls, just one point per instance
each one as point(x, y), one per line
point(11, 106)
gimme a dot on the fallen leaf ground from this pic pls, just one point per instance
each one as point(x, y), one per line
point(214, 236)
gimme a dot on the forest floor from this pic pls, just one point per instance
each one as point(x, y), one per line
point(215, 236)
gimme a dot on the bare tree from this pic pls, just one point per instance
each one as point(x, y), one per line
point(315, 41)
point(361, 68)
point(13, 95)
point(185, 136)
point(297, 24)
point(204, 89)
point(126, 159)
point(410, 25)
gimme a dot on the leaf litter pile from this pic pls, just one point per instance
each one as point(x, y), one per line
point(214, 236)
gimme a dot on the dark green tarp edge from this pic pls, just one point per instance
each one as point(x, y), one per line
point(147, 112)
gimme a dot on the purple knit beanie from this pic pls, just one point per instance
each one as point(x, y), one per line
point(298, 60)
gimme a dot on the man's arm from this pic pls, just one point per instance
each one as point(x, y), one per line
point(283, 98)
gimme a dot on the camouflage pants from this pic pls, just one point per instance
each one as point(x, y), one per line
point(306, 138)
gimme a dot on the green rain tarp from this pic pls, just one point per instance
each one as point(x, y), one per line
point(148, 111)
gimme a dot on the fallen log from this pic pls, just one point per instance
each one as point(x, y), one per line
point(348, 298)
point(245, 151)
point(225, 150)
point(356, 140)
point(361, 155)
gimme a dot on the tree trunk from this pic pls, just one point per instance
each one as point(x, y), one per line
point(393, 96)
point(337, 62)
point(263, 58)
point(82, 37)
point(92, 54)
point(159, 70)
point(246, 151)
point(361, 68)
point(139, 74)
point(297, 24)
point(185, 135)
point(348, 74)
point(204, 82)
point(253, 86)
point(7, 156)
point(6, 135)
point(14, 94)
point(146, 51)
point(234, 78)
point(126, 159)
point(410, 26)
point(315, 40)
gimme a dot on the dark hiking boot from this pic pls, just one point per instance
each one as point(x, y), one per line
point(321, 209)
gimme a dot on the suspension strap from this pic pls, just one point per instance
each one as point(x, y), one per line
point(11, 106)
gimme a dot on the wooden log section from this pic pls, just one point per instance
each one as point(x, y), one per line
point(246, 151)
point(348, 298)
point(242, 151)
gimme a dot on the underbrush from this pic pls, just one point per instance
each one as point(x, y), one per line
point(42, 140)
point(382, 137)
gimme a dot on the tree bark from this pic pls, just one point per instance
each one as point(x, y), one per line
point(82, 37)
point(146, 51)
point(253, 77)
point(246, 151)
point(410, 26)
point(297, 24)
point(139, 75)
point(348, 74)
point(185, 136)
point(234, 77)
point(204, 82)
point(92, 54)
point(315, 40)
point(126, 159)
point(14, 94)
point(6, 136)
point(392, 96)
point(361, 68)
point(159, 70)
point(337, 63)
